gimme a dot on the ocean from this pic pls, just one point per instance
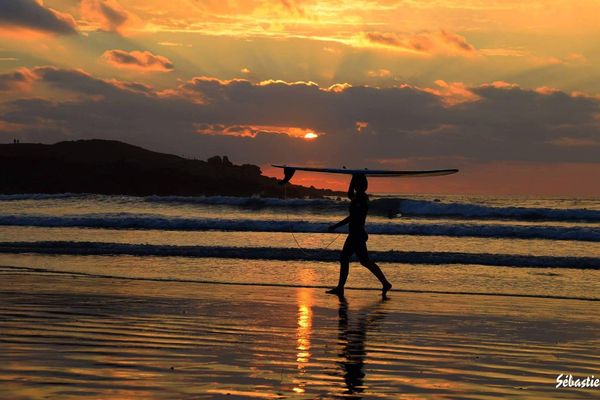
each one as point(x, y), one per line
point(538, 247)
point(117, 297)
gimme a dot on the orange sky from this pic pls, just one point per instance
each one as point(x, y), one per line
point(509, 92)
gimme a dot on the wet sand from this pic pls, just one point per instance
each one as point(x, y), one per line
point(71, 337)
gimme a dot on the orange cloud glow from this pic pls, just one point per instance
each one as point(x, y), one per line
point(453, 93)
point(20, 80)
point(361, 126)
point(254, 130)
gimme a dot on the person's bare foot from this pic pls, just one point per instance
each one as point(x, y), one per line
point(386, 287)
point(336, 290)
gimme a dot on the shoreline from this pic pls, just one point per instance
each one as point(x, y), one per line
point(71, 336)
point(43, 271)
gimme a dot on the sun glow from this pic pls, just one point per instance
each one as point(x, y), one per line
point(310, 136)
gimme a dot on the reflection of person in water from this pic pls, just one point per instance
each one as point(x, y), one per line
point(356, 242)
point(353, 338)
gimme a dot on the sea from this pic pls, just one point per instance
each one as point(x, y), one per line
point(507, 246)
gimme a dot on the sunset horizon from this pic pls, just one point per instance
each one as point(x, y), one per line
point(507, 93)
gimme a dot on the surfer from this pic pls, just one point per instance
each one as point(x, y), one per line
point(356, 242)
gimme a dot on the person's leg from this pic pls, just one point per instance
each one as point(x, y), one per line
point(365, 261)
point(347, 251)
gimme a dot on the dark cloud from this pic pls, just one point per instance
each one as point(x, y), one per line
point(19, 79)
point(141, 60)
point(74, 80)
point(108, 14)
point(430, 42)
point(31, 14)
point(497, 123)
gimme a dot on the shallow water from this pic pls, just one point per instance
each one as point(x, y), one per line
point(250, 240)
point(80, 337)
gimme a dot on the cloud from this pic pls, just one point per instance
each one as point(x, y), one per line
point(108, 15)
point(293, 7)
point(22, 79)
point(253, 131)
point(140, 60)
point(453, 93)
point(503, 52)
point(427, 42)
point(379, 73)
point(580, 141)
point(174, 44)
point(33, 15)
point(357, 125)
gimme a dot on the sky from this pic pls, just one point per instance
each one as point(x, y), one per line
point(506, 91)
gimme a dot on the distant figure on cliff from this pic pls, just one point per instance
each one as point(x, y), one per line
point(356, 242)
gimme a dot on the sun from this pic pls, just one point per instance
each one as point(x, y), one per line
point(311, 135)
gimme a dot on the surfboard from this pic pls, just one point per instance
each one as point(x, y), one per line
point(289, 170)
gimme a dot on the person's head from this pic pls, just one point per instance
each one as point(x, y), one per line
point(358, 184)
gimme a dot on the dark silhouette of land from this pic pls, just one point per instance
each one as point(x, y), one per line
point(112, 167)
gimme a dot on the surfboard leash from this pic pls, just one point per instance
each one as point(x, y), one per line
point(291, 229)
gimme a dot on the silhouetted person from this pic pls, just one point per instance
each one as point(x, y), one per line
point(356, 242)
point(353, 338)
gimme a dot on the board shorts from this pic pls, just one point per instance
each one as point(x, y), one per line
point(356, 243)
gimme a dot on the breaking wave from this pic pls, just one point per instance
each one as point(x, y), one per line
point(392, 206)
point(154, 222)
point(290, 254)
point(439, 209)
point(388, 206)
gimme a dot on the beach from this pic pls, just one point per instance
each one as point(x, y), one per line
point(66, 336)
point(121, 297)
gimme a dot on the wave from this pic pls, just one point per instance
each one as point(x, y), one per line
point(393, 206)
point(421, 208)
point(251, 202)
point(387, 206)
point(140, 221)
point(41, 196)
point(291, 254)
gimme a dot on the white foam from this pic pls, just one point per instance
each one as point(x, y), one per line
point(141, 221)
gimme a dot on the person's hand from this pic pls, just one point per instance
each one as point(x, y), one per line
point(331, 228)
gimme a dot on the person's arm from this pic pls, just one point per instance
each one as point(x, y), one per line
point(341, 223)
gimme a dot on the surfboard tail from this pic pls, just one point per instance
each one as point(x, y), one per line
point(288, 173)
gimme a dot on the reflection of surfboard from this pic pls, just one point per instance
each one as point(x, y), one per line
point(289, 171)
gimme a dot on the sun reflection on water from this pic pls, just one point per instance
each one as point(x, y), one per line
point(303, 333)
